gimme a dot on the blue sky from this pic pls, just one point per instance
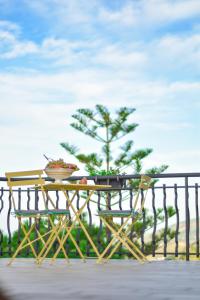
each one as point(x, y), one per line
point(60, 55)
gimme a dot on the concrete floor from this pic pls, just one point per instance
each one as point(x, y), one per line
point(119, 279)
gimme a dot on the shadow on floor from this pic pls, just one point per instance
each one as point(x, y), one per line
point(3, 295)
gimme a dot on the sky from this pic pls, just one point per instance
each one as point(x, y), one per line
point(60, 55)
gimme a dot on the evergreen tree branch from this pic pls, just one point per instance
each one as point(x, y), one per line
point(90, 115)
point(91, 159)
point(125, 112)
point(121, 128)
point(71, 149)
point(104, 113)
point(87, 131)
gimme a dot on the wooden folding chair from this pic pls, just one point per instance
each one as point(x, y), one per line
point(121, 234)
point(62, 228)
point(15, 179)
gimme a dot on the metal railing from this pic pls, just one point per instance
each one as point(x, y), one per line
point(161, 233)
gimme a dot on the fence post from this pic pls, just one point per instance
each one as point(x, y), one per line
point(187, 220)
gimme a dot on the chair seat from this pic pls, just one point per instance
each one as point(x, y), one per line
point(29, 212)
point(58, 212)
point(117, 213)
point(32, 212)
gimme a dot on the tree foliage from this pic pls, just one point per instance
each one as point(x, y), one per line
point(93, 230)
point(104, 127)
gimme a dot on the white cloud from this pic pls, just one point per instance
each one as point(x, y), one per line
point(36, 105)
point(20, 49)
point(65, 12)
point(150, 13)
point(177, 46)
point(128, 15)
point(180, 53)
point(178, 161)
point(118, 56)
point(11, 46)
point(167, 10)
point(7, 37)
point(9, 26)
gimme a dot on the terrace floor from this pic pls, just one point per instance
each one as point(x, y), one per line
point(163, 280)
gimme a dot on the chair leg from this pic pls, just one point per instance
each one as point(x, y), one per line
point(28, 239)
point(49, 240)
point(125, 243)
point(137, 250)
point(125, 236)
point(21, 244)
point(111, 242)
point(54, 234)
point(59, 241)
point(73, 241)
point(117, 236)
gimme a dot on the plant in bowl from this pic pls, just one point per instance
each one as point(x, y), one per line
point(114, 182)
point(58, 169)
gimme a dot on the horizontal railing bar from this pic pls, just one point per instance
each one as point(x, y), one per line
point(117, 189)
point(126, 252)
point(165, 175)
point(172, 253)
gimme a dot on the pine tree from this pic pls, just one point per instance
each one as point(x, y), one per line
point(100, 125)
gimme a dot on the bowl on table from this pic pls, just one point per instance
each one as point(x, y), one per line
point(58, 174)
point(59, 170)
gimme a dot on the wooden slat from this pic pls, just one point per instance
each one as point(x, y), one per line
point(26, 182)
point(23, 173)
point(145, 182)
point(144, 186)
point(77, 187)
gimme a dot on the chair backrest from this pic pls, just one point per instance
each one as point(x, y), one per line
point(19, 182)
point(145, 182)
point(144, 185)
point(16, 179)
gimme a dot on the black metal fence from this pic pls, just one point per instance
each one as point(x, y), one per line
point(170, 221)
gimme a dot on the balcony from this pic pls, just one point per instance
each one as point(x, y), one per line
point(168, 276)
point(180, 192)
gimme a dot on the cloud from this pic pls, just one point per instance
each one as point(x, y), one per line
point(88, 87)
point(59, 73)
point(150, 13)
point(9, 26)
point(184, 48)
point(11, 45)
point(37, 106)
point(119, 56)
point(65, 12)
point(178, 52)
point(128, 13)
point(61, 52)
point(168, 11)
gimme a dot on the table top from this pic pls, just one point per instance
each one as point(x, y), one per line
point(71, 187)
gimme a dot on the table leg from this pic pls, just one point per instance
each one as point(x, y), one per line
point(79, 220)
point(77, 214)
